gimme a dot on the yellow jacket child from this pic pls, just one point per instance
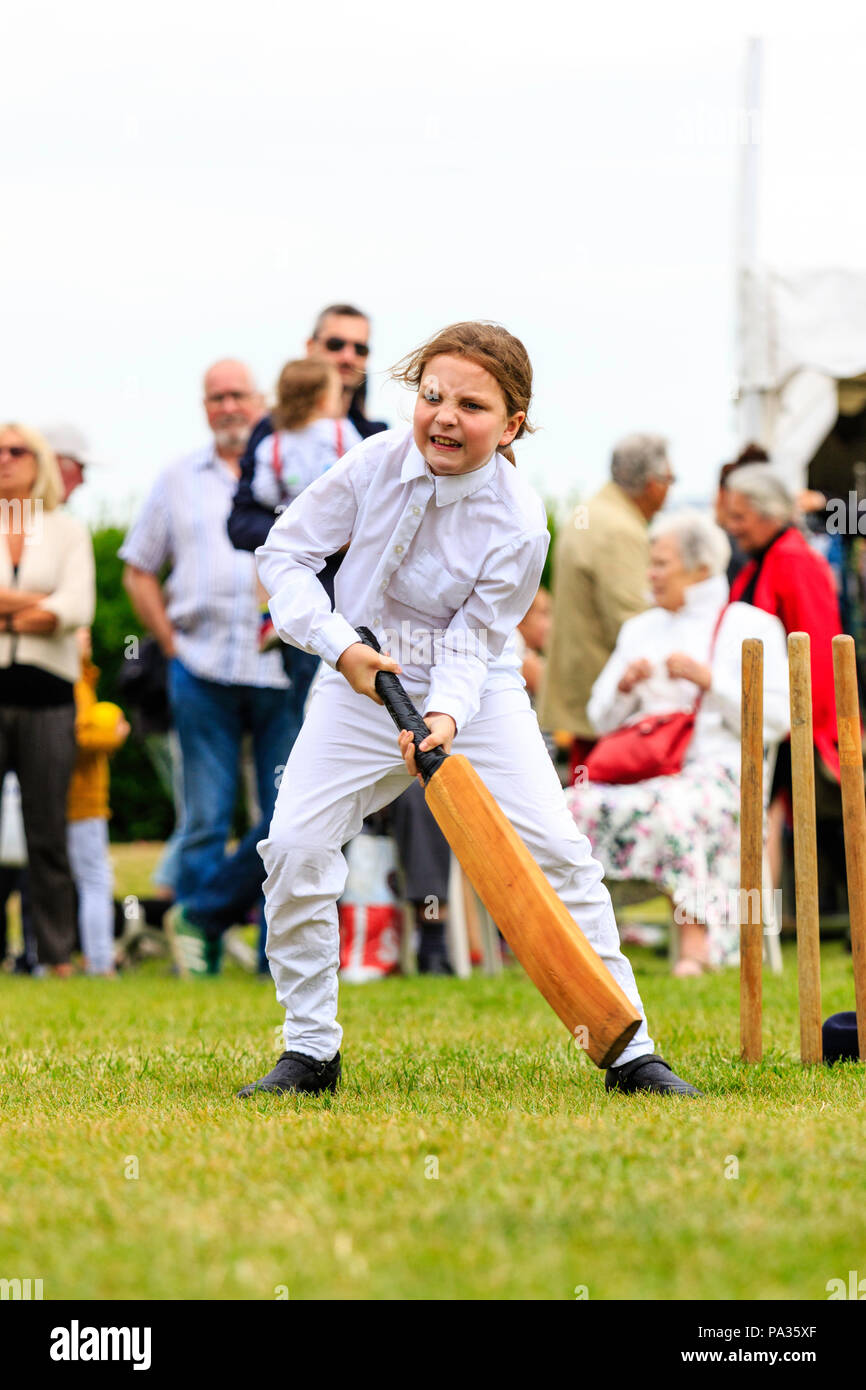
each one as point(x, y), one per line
point(100, 729)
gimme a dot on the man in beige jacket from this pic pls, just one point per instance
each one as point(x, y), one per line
point(600, 579)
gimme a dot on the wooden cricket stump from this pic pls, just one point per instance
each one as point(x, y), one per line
point(751, 848)
point(853, 816)
point(805, 848)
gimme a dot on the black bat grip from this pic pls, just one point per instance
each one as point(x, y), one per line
point(403, 712)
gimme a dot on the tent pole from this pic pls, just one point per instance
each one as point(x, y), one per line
point(752, 405)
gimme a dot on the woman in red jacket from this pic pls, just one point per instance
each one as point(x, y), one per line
point(786, 577)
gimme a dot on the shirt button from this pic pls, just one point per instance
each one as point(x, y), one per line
point(383, 586)
point(416, 511)
point(398, 550)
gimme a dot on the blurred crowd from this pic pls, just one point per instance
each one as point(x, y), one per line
point(640, 639)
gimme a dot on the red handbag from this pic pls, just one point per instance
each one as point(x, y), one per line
point(652, 747)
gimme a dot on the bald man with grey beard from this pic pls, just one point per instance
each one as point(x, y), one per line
point(221, 687)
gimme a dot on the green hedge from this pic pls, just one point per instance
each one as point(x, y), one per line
point(140, 809)
point(547, 572)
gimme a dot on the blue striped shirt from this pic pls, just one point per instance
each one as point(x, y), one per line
point(210, 593)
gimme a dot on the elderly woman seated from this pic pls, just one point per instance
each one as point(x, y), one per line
point(681, 832)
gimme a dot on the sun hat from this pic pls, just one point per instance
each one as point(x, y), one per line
point(68, 441)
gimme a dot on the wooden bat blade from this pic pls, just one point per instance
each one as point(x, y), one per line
point(534, 921)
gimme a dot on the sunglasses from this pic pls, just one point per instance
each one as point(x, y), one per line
point(337, 345)
point(15, 451)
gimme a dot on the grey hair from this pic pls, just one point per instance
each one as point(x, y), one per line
point(768, 493)
point(701, 543)
point(637, 459)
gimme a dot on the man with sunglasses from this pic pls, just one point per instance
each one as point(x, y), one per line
point(341, 335)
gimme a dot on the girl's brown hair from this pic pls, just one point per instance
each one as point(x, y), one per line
point(494, 349)
point(299, 390)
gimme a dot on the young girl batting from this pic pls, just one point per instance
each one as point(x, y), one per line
point(446, 547)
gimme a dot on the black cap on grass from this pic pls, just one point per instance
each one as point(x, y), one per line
point(840, 1038)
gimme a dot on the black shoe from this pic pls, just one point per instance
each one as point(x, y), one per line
point(297, 1072)
point(434, 963)
point(432, 951)
point(647, 1073)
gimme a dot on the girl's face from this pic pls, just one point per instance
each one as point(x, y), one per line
point(461, 418)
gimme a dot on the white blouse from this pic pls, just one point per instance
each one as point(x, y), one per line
point(658, 633)
point(57, 560)
point(441, 568)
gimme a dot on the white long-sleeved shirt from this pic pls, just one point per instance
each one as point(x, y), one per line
point(658, 633)
point(441, 568)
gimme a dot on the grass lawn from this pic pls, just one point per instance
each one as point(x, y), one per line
point(470, 1152)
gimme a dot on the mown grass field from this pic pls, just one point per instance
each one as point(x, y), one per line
point(470, 1153)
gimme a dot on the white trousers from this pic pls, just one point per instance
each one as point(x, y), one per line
point(90, 863)
point(346, 764)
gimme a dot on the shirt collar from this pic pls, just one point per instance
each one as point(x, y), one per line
point(707, 596)
point(448, 489)
point(761, 555)
point(206, 458)
point(614, 492)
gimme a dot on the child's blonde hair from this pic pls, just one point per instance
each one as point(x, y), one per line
point(494, 349)
point(300, 388)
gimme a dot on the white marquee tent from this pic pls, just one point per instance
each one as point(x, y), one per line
point(802, 331)
point(801, 334)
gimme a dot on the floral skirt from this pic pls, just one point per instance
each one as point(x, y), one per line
point(680, 833)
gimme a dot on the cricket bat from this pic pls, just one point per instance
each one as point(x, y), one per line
point(534, 921)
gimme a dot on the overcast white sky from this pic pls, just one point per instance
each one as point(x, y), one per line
point(188, 181)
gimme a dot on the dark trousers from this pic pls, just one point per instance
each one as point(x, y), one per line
point(424, 852)
point(39, 745)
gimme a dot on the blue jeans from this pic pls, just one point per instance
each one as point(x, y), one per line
point(211, 718)
point(300, 667)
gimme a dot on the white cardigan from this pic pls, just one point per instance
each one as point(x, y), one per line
point(658, 633)
point(57, 560)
